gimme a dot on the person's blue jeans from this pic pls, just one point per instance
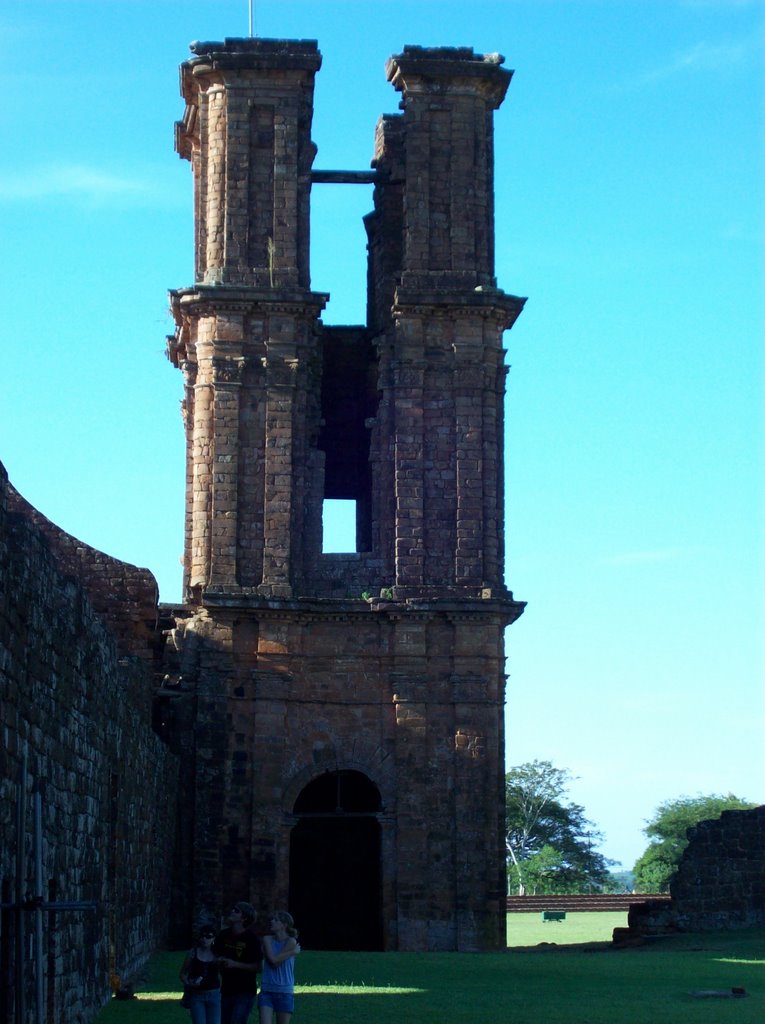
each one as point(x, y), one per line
point(204, 1006)
point(235, 1008)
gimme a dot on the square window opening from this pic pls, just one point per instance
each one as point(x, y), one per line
point(338, 526)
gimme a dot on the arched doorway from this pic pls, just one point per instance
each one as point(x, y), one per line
point(335, 877)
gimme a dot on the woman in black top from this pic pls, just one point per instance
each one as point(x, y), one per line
point(201, 979)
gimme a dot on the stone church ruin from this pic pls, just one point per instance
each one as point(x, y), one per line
point(352, 748)
point(332, 724)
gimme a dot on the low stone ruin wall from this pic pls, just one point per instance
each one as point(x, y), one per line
point(720, 881)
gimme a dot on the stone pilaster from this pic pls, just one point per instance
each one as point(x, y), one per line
point(228, 370)
point(282, 367)
point(408, 379)
point(469, 467)
point(413, 722)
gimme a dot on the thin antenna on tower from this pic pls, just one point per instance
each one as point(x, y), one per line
point(251, 17)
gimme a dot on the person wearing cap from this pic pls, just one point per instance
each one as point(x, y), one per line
point(239, 959)
point(201, 980)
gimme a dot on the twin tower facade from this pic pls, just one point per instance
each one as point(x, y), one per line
point(340, 716)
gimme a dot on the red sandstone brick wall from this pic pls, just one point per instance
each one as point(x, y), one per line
point(284, 671)
point(124, 595)
point(720, 880)
point(81, 710)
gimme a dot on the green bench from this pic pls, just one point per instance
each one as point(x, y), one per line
point(553, 915)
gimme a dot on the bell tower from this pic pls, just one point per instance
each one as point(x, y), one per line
point(248, 340)
point(343, 719)
point(441, 319)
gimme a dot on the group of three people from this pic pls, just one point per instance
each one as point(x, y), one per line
point(219, 974)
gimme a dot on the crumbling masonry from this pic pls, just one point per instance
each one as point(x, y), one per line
point(341, 716)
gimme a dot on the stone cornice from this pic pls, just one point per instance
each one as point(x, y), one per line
point(470, 609)
point(447, 69)
point(489, 303)
point(238, 55)
point(255, 53)
point(213, 299)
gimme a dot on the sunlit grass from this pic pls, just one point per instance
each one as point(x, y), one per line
point(578, 927)
point(359, 989)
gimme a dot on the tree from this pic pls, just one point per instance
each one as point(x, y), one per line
point(541, 870)
point(667, 831)
point(550, 842)
point(620, 881)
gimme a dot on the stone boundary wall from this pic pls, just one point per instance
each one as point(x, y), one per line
point(720, 881)
point(124, 595)
point(579, 902)
point(70, 701)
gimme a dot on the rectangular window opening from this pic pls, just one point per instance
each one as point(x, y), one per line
point(338, 250)
point(338, 526)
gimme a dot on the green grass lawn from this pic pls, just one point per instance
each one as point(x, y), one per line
point(593, 984)
point(530, 929)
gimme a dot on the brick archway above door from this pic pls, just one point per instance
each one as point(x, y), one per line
point(364, 758)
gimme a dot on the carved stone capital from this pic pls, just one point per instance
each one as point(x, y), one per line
point(227, 370)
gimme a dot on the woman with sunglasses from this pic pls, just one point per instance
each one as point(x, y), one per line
point(201, 980)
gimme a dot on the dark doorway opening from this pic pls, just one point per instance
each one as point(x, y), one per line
point(335, 875)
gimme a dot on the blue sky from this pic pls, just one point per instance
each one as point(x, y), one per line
point(629, 210)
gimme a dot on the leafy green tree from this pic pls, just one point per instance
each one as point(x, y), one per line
point(550, 842)
point(667, 831)
point(541, 871)
point(654, 869)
